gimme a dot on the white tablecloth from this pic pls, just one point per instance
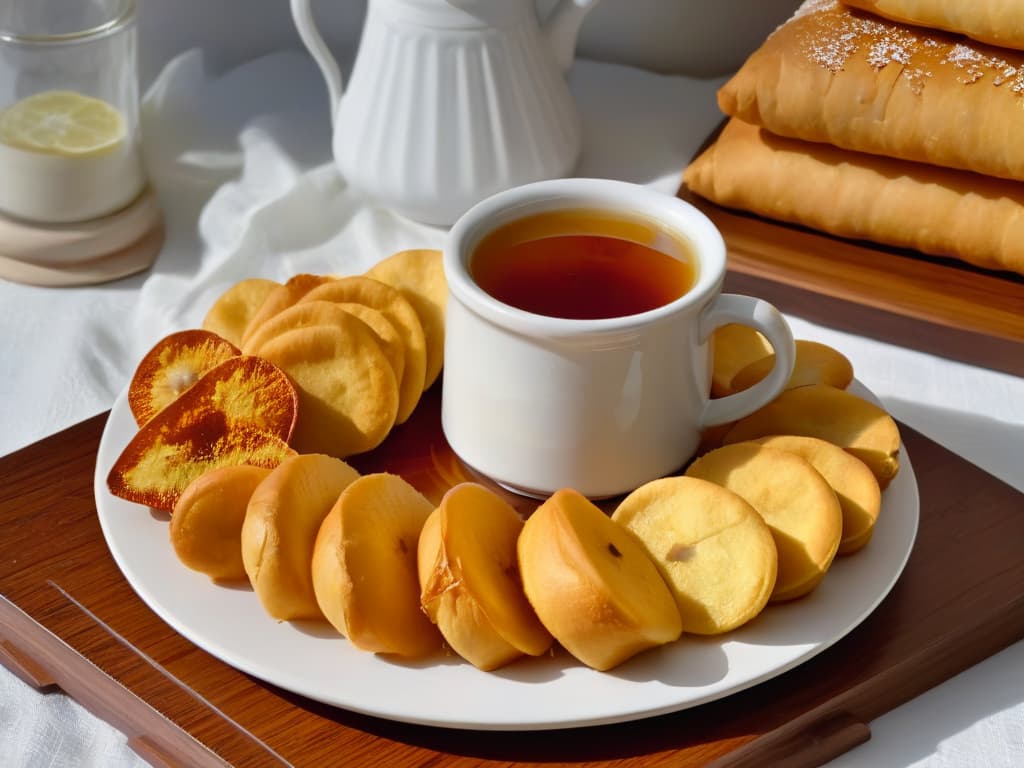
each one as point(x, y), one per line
point(241, 164)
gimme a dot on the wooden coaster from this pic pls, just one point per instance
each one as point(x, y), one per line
point(82, 253)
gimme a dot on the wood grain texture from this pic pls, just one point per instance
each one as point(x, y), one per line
point(70, 612)
point(885, 325)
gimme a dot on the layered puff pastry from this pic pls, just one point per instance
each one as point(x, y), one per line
point(999, 22)
point(842, 76)
point(938, 211)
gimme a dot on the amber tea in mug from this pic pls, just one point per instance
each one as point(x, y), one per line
point(539, 402)
point(583, 265)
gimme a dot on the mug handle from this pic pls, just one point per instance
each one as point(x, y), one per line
point(759, 314)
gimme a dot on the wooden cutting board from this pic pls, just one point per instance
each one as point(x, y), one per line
point(69, 619)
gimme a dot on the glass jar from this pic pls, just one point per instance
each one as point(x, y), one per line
point(69, 109)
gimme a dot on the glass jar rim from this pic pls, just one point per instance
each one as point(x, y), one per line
point(124, 15)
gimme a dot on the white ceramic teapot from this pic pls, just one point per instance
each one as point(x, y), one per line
point(451, 101)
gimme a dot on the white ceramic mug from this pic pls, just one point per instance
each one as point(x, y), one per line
point(540, 403)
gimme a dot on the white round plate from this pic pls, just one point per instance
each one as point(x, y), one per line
point(555, 691)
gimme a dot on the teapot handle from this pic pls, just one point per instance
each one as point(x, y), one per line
point(562, 28)
point(302, 15)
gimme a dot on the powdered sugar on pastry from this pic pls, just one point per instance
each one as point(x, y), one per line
point(840, 34)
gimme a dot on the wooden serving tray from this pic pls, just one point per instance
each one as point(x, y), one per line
point(69, 619)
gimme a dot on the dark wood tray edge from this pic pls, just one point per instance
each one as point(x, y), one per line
point(52, 663)
point(828, 731)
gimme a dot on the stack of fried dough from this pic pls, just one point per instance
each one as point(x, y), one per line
point(895, 121)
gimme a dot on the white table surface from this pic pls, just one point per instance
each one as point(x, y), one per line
point(241, 163)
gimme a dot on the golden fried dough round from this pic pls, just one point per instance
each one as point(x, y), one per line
point(290, 319)
point(836, 415)
point(714, 550)
point(469, 579)
point(854, 484)
point(348, 396)
point(231, 312)
point(364, 567)
point(815, 363)
point(735, 347)
point(400, 313)
point(281, 297)
point(206, 524)
point(280, 528)
point(307, 314)
point(387, 335)
point(798, 505)
point(592, 583)
point(419, 275)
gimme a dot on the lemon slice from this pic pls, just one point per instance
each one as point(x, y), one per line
point(64, 123)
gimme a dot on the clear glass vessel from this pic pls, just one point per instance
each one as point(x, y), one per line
point(69, 109)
